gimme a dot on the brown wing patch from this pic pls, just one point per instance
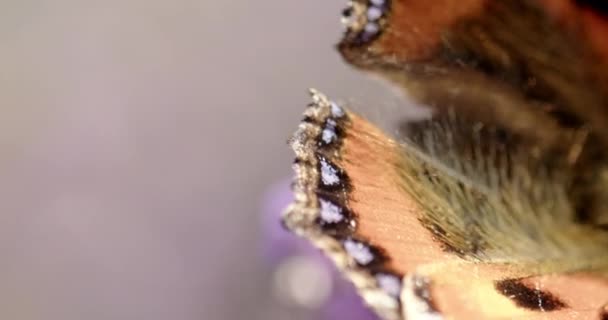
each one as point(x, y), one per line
point(395, 39)
point(389, 216)
point(551, 54)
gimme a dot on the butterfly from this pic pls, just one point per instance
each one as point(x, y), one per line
point(495, 206)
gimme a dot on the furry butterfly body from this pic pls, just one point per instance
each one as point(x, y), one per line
point(495, 206)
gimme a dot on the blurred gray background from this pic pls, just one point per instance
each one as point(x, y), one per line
point(138, 138)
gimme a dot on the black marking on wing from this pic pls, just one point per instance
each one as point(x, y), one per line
point(529, 298)
point(598, 5)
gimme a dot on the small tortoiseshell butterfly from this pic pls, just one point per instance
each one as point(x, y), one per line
point(496, 205)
